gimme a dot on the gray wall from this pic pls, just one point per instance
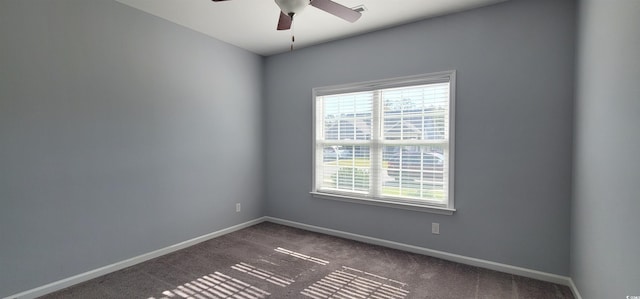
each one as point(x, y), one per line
point(515, 66)
point(111, 123)
point(606, 208)
point(120, 134)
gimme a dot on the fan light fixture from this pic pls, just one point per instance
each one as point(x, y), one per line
point(292, 7)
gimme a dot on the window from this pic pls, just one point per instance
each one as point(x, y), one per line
point(387, 142)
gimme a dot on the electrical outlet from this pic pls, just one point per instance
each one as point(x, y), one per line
point(435, 228)
point(238, 207)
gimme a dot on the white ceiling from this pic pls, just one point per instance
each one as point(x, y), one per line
point(251, 24)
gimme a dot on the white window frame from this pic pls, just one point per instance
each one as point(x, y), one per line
point(415, 205)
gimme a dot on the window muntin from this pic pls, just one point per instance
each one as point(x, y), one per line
point(388, 140)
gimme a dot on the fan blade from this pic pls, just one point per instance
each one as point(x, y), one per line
point(219, 0)
point(284, 23)
point(337, 10)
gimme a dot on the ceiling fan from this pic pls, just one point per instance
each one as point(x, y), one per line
point(289, 8)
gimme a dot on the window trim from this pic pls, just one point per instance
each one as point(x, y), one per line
point(430, 78)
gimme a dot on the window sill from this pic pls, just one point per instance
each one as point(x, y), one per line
point(385, 203)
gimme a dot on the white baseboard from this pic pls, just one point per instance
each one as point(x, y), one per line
point(563, 280)
point(574, 289)
point(67, 282)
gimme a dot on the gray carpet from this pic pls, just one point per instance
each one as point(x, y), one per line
point(274, 261)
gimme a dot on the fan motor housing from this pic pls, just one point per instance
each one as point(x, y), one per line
point(292, 6)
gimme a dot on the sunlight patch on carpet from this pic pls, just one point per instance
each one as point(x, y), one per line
point(301, 256)
point(215, 286)
point(263, 274)
point(353, 283)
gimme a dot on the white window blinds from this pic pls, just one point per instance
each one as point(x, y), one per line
point(388, 140)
